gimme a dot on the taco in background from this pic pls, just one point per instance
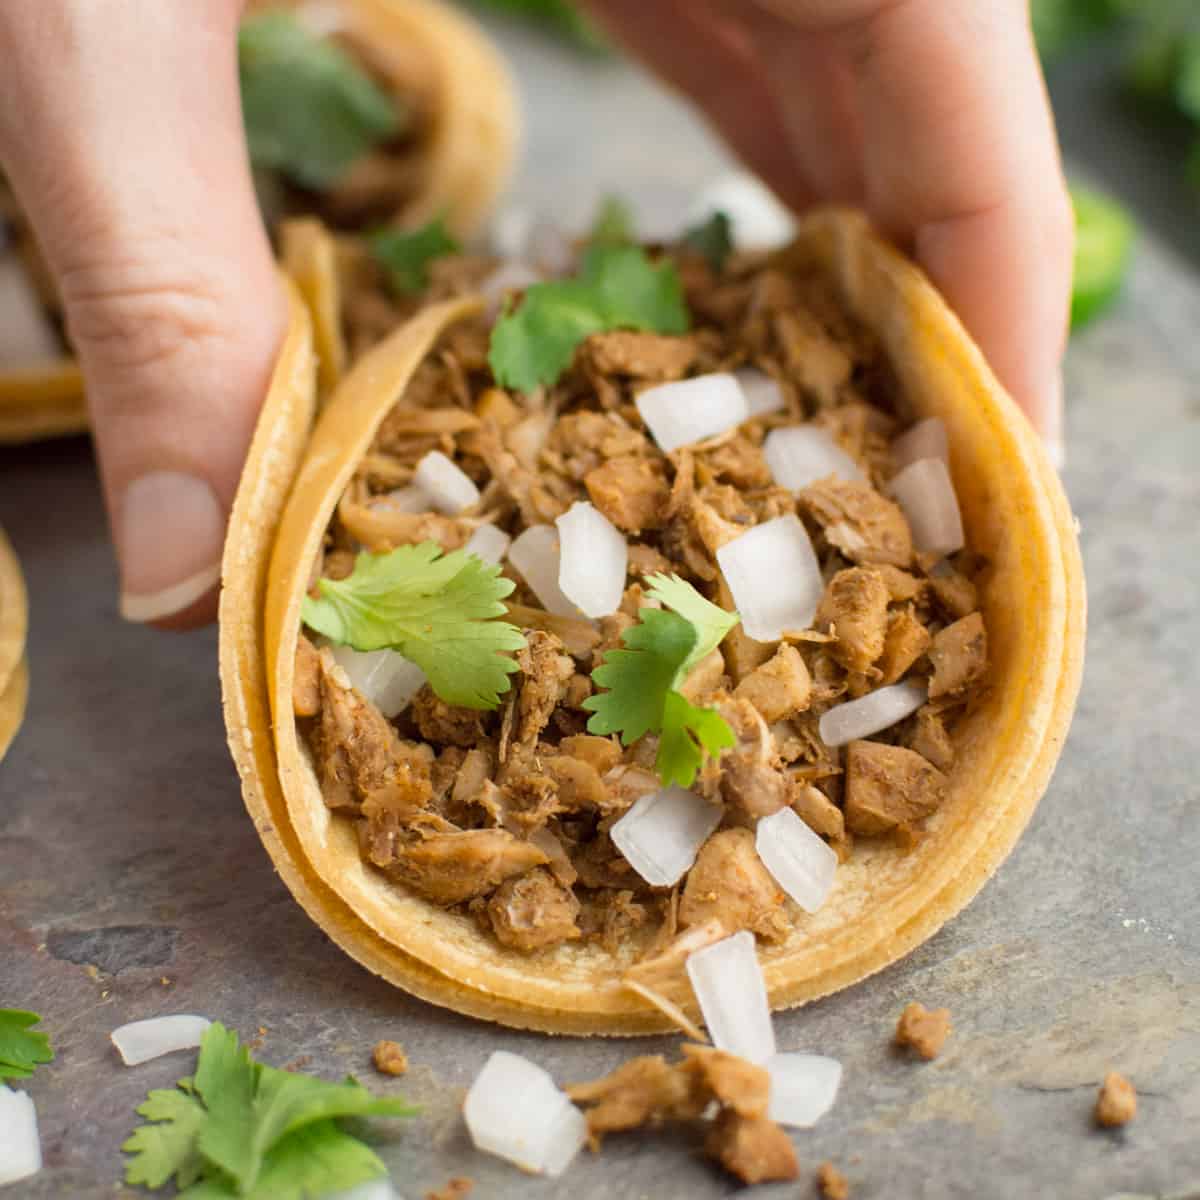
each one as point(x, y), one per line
point(14, 621)
point(691, 594)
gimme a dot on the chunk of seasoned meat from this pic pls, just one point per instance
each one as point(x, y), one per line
point(446, 724)
point(751, 778)
point(306, 684)
point(887, 786)
point(389, 1058)
point(582, 440)
point(902, 587)
point(925, 1030)
point(533, 911)
point(526, 488)
point(729, 882)
point(959, 657)
point(780, 687)
point(854, 609)
point(645, 560)
point(577, 782)
point(448, 868)
point(644, 1091)
point(740, 462)
point(630, 491)
point(1116, 1103)
point(817, 811)
point(733, 1082)
point(603, 753)
point(955, 593)
point(704, 678)
point(905, 641)
point(651, 356)
point(820, 364)
point(546, 671)
point(831, 1183)
point(930, 739)
point(865, 526)
point(754, 1149)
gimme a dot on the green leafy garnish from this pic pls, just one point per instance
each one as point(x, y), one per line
point(713, 238)
point(643, 681)
point(560, 17)
point(406, 254)
point(1104, 234)
point(436, 609)
point(613, 224)
point(242, 1129)
point(21, 1049)
point(617, 288)
point(310, 111)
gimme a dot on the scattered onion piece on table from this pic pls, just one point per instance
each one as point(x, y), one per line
point(872, 713)
point(802, 454)
point(691, 410)
point(798, 859)
point(732, 994)
point(20, 1147)
point(384, 677)
point(803, 1088)
point(536, 555)
point(449, 488)
point(140, 1041)
point(593, 560)
point(661, 834)
point(925, 492)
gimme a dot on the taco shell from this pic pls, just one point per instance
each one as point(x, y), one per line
point(14, 620)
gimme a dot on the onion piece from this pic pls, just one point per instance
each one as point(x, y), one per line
point(593, 560)
point(20, 1147)
point(384, 677)
point(926, 439)
point(515, 1112)
point(662, 833)
point(679, 414)
point(774, 577)
point(872, 713)
point(488, 542)
point(732, 994)
point(449, 488)
point(925, 491)
point(535, 554)
point(411, 499)
point(763, 394)
point(802, 454)
point(799, 859)
point(512, 276)
point(803, 1088)
point(140, 1041)
point(759, 221)
point(27, 337)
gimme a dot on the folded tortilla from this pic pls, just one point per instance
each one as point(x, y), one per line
point(884, 902)
point(14, 621)
point(468, 155)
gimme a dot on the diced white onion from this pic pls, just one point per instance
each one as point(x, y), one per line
point(799, 860)
point(763, 394)
point(682, 413)
point(925, 491)
point(926, 439)
point(759, 221)
point(732, 995)
point(802, 454)
point(803, 1088)
point(26, 334)
point(535, 554)
point(661, 834)
point(140, 1041)
point(515, 1112)
point(411, 499)
point(384, 677)
point(593, 560)
point(521, 233)
point(20, 1147)
point(874, 712)
point(488, 542)
point(373, 1189)
point(446, 484)
point(511, 276)
point(774, 577)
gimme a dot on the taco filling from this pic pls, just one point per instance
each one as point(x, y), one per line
point(646, 602)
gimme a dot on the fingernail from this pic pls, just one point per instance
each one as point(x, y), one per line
point(171, 532)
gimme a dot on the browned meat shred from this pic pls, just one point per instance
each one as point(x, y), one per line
point(854, 609)
point(931, 740)
point(306, 686)
point(649, 356)
point(925, 1030)
point(818, 812)
point(754, 1149)
point(449, 868)
point(546, 671)
point(457, 1188)
point(643, 1091)
point(389, 1058)
point(905, 641)
point(729, 882)
point(959, 657)
point(780, 687)
point(887, 786)
point(1116, 1103)
point(533, 911)
point(865, 526)
point(831, 1183)
point(444, 723)
point(630, 491)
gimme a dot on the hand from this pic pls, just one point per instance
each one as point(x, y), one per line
point(931, 114)
point(121, 133)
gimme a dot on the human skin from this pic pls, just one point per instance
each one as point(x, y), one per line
point(120, 130)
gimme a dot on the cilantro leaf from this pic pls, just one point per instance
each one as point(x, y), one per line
point(226, 1081)
point(167, 1146)
point(310, 111)
point(688, 733)
point(436, 609)
point(406, 255)
point(613, 224)
point(710, 622)
point(617, 288)
point(20, 1049)
point(316, 1160)
point(713, 239)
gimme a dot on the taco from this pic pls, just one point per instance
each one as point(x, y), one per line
point(684, 596)
point(371, 114)
point(14, 619)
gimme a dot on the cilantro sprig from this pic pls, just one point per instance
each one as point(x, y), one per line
point(644, 678)
point(436, 609)
point(406, 254)
point(613, 224)
point(22, 1048)
point(617, 288)
point(238, 1128)
point(310, 111)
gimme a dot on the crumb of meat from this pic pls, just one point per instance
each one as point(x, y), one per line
point(611, 917)
point(905, 641)
point(930, 740)
point(902, 587)
point(729, 882)
point(854, 609)
point(1116, 1103)
point(546, 671)
point(643, 1091)
point(749, 774)
point(455, 1189)
point(925, 1030)
point(603, 753)
point(779, 687)
point(630, 491)
point(652, 356)
point(706, 677)
point(533, 911)
point(820, 364)
point(888, 786)
point(754, 1149)
point(959, 657)
point(389, 1058)
point(865, 526)
point(449, 868)
point(817, 811)
point(740, 462)
point(739, 1085)
point(831, 1183)
point(955, 593)
point(306, 685)
point(446, 724)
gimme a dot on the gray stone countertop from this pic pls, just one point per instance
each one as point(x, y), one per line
point(132, 884)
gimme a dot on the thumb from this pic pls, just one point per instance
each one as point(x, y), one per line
point(120, 125)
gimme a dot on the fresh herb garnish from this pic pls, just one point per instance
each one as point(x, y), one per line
point(406, 254)
point(310, 111)
point(561, 17)
point(613, 224)
point(1104, 235)
point(21, 1048)
point(643, 681)
point(436, 609)
point(238, 1128)
point(617, 288)
point(712, 238)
